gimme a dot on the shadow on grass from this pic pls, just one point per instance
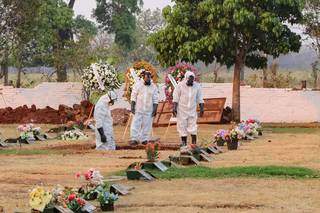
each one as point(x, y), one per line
point(233, 172)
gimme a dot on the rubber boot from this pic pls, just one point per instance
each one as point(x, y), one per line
point(184, 141)
point(194, 139)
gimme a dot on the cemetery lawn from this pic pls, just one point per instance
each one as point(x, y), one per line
point(277, 172)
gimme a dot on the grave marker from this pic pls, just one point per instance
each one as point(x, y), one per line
point(119, 189)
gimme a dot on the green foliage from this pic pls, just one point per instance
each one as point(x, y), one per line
point(312, 23)
point(215, 29)
point(118, 17)
point(235, 172)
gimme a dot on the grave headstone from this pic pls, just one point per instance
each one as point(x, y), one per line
point(119, 189)
point(160, 166)
point(41, 137)
point(212, 150)
point(88, 208)
point(133, 174)
point(61, 209)
point(205, 158)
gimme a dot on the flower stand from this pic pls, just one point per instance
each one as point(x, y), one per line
point(107, 207)
point(232, 144)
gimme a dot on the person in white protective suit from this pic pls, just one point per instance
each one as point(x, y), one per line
point(186, 96)
point(104, 122)
point(144, 104)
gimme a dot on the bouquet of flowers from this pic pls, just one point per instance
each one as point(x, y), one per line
point(75, 134)
point(39, 199)
point(152, 150)
point(94, 184)
point(177, 72)
point(107, 198)
point(100, 77)
point(221, 136)
point(138, 68)
point(28, 131)
point(234, 135)
point(75, 203)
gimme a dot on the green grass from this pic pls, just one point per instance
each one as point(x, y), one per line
point(29, 152)
point(294, 130)
point(234, 172)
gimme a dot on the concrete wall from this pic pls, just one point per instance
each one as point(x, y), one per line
point(267, 105)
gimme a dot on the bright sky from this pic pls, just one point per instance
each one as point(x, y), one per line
point(84, 7)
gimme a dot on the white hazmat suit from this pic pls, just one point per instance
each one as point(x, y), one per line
point(187, 98)
point(145, 97)
point(103, 118)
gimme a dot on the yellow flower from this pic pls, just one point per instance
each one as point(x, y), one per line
point(39, 199)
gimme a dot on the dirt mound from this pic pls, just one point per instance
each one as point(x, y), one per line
point(78, 113)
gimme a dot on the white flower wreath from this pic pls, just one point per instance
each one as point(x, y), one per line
point(100, 77)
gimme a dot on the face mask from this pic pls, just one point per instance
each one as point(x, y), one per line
point(190, 81)
point(147, 80)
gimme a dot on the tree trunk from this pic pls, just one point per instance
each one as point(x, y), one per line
point(215, 75)
point(236, 116)
point(71, 4)
point(5, 68)
point(62, 75)
point(18, 85)
point(242, 75)
point(265, 77)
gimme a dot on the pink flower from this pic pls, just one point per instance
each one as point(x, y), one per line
point(78, 174)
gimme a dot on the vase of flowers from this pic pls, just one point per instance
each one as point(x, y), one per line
point(177, 72)
point(107, 200)
point(220, 137)
point(232, 140)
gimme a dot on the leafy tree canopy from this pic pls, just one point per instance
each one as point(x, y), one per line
point(222, 29)
point(118, 17)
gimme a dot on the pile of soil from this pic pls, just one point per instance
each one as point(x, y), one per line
point(79, 113)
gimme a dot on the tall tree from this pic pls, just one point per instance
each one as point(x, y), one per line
point(312, 29)
point(119, 17)
point(232, 32)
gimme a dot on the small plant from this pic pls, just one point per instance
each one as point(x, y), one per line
point(220, 137)
point(152, 150)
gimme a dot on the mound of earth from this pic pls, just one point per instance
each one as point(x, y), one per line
point(79, 113)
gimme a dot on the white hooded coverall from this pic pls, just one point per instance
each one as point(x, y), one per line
point(145, 97)
point(103, 118)
point(187, 97)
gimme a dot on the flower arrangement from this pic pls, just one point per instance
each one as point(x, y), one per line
point(28, 131)
point(107, 200)
point(152, 151)
point(94, 184)
point(75, 134)
point(138, 67)
point(75, 203)
point(221, 136)
point(98, 74)
point(177, 72)
point(39, 199)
